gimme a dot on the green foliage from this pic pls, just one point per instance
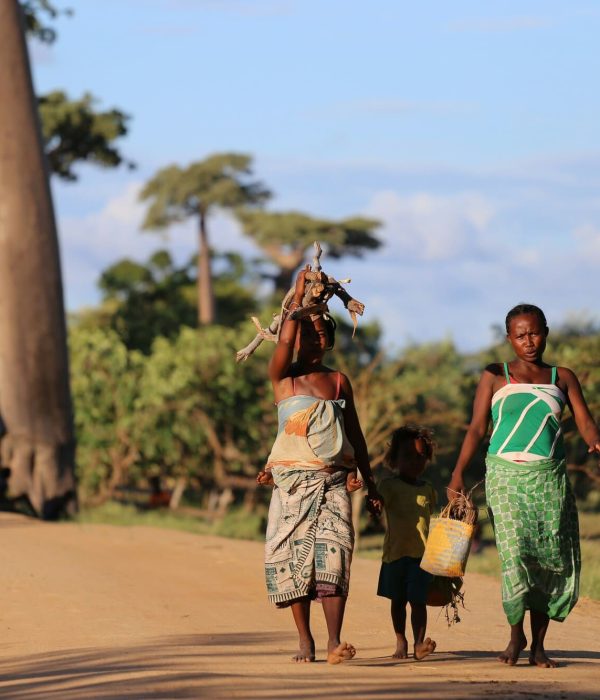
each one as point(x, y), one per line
point(235, 288)
point(206, 414)
point(74, 131)
point(149, 300)
point(172, 413)
point(221, 180)
point(104, 383)
point(144, 301)
point(33, 13)
point(360, 347)
point(425, 384)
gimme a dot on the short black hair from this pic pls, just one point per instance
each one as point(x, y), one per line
point(409, 433)
point(521, 309)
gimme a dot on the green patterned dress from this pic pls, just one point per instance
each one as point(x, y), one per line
point(531, 502)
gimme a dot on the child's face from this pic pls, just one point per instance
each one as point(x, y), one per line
point(412, 457)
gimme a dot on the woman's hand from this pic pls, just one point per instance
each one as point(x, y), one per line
point(300, 287)
point(264, 478)
point(456, 485)
point(353, 483)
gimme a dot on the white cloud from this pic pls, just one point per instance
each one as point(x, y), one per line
point(432, 227)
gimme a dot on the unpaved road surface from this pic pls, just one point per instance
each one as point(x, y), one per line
point(98, 612)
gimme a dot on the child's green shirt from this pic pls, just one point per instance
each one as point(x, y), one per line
point(408, 508)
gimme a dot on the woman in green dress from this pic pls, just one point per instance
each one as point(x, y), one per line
point(527, 488)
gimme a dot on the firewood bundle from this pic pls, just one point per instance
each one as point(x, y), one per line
point(320, 288)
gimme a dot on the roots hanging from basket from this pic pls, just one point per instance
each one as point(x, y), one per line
point(458, 598)
point(319, 289)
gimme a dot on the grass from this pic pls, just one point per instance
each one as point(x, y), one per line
point(237, 523)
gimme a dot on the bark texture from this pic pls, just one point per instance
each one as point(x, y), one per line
point(35, 403)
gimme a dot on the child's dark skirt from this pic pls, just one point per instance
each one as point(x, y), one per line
point(403, 579)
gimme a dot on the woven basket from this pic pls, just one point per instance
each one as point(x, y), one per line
point(447, 548)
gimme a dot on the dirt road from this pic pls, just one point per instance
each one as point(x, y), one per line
point(92, 611)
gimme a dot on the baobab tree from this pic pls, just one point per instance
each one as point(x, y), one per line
point(224, 181)
point(35, 403)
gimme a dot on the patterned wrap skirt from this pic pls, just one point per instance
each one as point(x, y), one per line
point(535, 522)
point(310, 537)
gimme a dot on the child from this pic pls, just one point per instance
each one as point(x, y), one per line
point(408, 502)
point(527, 488)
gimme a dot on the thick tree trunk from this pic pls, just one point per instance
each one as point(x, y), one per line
point(35, 401)
point(206, 300)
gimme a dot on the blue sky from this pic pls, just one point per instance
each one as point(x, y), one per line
point(470, 130)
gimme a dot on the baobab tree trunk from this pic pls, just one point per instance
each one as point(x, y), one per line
point(206, 300)
point(35, 401)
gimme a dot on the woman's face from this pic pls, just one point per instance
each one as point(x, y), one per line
point(311, 339)
point(528, 337)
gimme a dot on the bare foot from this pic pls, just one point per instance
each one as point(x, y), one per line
point(401, 649)
point(341, 652)
point(537, 657)
point(306, 652)
point(424, 648)
point(510, 655)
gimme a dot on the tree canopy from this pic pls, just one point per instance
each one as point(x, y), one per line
point(75, 132)
point(223, 180)
point(285, 237)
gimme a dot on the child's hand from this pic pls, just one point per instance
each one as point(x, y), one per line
point(353, 483)
point(595, 447)
point(264, 478)
point(374, 502)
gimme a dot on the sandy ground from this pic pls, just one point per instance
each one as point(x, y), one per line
point(93, 611)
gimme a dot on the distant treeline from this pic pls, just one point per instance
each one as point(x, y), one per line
point(157, 398)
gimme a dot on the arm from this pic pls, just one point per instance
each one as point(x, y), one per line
point(581, 413)
point(475, 433)
point(284, 350)
point(358, 442)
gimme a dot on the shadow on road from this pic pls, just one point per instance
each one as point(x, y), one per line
point(244, 666)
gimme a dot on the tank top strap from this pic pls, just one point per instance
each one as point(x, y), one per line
point(293, 385)
point(554, 375)
point(506, 374)
point(338, 386)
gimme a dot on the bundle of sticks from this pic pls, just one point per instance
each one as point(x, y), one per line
point(320, 288)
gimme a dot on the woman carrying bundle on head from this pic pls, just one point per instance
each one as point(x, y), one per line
point(312, 465)
point(527, 488)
